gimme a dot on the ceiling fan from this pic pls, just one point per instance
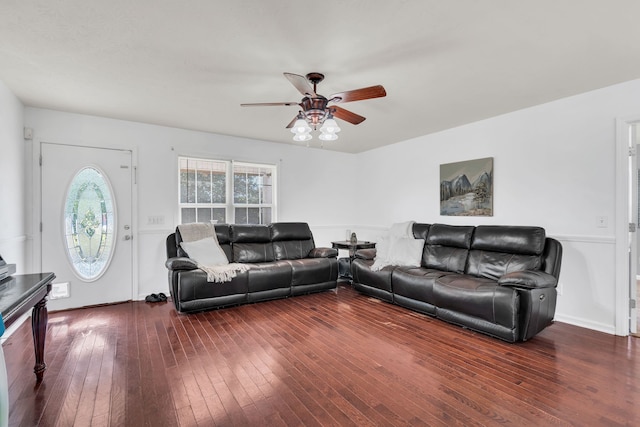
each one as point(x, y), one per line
point(315, 110)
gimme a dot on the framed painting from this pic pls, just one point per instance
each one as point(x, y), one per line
point(466, 188)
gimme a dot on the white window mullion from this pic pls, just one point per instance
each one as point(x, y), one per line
point(231, 215)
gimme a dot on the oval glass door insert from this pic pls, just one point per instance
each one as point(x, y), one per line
point(89, 223)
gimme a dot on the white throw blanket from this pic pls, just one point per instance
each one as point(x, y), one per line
point(398, 247)
point(223, 273)
point(200, 242)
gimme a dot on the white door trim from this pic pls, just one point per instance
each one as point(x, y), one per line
point(36, 201)
point(622, 282)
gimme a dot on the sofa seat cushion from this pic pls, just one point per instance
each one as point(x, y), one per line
point(313, 270)
point(416, 282)
point(263, 276)
point(477, 297)
point(194, 286)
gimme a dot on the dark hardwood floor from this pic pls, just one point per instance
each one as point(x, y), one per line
point(333, 358)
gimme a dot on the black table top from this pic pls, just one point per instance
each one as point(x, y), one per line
point(17, 290)
point(360, 244)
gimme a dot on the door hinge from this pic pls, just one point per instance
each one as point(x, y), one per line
point(632, 151)
point(41, 227)
point(632, 227)
point(40, 160)
point(632, 303)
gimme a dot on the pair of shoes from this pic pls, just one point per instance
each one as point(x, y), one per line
point(156, 297)
point(152, 298)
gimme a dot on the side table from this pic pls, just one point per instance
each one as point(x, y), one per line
point(21, 293)
point(352, 248)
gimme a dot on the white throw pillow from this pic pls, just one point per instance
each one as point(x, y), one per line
point(205, 252)
point(401, 230)
point(383, 245)
point(406, 252)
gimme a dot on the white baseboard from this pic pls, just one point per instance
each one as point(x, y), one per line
point(586, 323)
point(14, 326)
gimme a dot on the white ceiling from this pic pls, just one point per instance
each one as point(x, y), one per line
point(189, 64)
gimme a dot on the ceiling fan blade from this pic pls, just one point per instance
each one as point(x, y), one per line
point(301, 83)
point(359, 94)
point(269, 104)
point(346, 115)
point(290, 125)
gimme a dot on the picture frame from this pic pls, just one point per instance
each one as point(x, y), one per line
point(466, 188)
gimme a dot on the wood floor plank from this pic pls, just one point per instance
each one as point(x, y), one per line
point(332, 358)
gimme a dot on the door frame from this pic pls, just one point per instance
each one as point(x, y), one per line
point(36, 202)
point(622, 264)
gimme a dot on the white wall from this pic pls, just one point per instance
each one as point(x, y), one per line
point(13, 180)
point(554, 166)
point(308, 178)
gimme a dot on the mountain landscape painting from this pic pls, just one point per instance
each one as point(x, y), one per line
point(466, 188)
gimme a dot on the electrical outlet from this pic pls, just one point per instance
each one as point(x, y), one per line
point(59, 290)
point(560, 288)
point(602, 222)
point(155, 220)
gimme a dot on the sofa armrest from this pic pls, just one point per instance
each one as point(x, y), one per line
point(181, 263)
point(367, 254)
point(323, 253)
point(528, 279)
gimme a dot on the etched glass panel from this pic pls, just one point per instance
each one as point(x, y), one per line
point(89, 223)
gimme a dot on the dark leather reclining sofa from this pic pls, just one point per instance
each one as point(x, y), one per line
point(283, 262)
point(498, 280)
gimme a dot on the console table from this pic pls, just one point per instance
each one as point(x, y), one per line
point(352, 247)
point(22, 292)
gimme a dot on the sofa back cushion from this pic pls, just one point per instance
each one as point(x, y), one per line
point(447, 247)
point(421, 231)
point(223, 233)
point(291, 240)
point(251, 243)
point(498, 250)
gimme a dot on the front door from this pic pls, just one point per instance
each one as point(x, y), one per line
point(86, 230)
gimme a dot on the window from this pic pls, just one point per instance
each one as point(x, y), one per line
point(89, 221)
point(224, 191)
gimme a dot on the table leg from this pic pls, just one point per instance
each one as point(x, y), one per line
point(39, 320)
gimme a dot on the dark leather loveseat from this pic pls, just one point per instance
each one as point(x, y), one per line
point(283, 262)
point(498, 280)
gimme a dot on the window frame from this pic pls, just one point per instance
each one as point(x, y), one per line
point(230, 205)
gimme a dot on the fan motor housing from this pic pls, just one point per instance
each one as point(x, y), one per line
point(314, 109)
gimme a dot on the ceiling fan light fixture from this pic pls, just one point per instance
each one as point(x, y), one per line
point(326, 136)
point(301, 127)
point(315, 113)
point(330, 126)
point(301, 137)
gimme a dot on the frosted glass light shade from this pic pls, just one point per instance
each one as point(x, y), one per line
point(300, 127)
point(301, 137)
point(326, 136)
point(330, 126)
